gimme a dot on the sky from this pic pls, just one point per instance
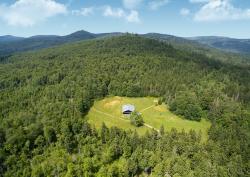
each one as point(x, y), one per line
point(184, 18)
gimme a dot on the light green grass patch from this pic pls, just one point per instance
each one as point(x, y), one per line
point(109, 111)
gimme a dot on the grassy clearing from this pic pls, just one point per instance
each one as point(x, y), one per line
point(108, 111)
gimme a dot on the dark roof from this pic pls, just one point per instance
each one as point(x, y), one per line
point(128, 107)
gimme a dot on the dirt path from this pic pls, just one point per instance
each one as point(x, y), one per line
point(146, 108)
point(110, 115)
point(149, 126)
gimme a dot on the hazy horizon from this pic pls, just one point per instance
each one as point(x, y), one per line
point(185, 18)
point(118, 32)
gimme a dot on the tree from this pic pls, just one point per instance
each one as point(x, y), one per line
point(49, 134)
point(187, 105)
point(136, 119)
point(2, 137)
point(85, 105)
point(162, 130)
point(104, 133)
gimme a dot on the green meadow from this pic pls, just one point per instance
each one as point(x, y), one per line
point(109, 111)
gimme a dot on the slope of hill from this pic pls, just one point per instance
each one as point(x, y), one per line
point(43, 41)
point(190, 44)
point(9, 38)
point(45, 96)
point(172, 39)
point(226, 44)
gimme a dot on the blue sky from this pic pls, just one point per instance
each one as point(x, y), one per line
point(177, 17)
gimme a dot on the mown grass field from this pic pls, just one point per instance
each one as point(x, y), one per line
point(108, 111)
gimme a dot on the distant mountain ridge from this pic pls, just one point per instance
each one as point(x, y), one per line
point(205, 45)
point(41, 41)
point(9, 38)
point(225, 43)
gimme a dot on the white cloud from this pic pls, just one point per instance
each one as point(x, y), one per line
point(155, 4)
point(219, 10)
point(132, 4)
point(198, 1)
point(30, 12)
point(132, 16)
point(184, 11)
point(113, 12)
point(84, 11)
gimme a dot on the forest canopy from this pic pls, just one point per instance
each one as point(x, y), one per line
point(45, 95)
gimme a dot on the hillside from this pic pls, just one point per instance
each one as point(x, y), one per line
point(11, 44)
point(9, 38)
point(46, 95)
point(203, 46)
point(226, 44)
point(41, 41)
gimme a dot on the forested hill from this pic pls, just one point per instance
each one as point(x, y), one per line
point(8, 47)
point(10, 44)
point(9, 38)
point(225, 43)
point(45, 95)
point(205, 47)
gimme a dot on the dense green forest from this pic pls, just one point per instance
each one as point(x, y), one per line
point(224, 43)
point(45, 95)
point(14, 44)
point(212, 47)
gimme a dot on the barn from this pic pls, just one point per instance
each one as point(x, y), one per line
point(128, 109)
